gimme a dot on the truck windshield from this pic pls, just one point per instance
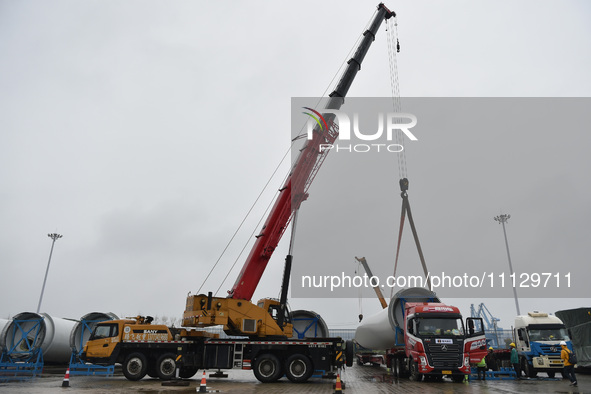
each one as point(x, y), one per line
point(104, 331)
point(547, 334)
point(440, 326)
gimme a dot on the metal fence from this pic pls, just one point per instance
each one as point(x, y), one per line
point(499, 339)
point(345, 333)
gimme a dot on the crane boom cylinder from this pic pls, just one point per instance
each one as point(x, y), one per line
point(284, 287)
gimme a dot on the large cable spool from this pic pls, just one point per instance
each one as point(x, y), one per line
point(378, 332)
point(308, 324)
point(29, 332)
point(84, 327)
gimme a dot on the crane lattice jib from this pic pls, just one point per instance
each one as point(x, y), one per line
point(302, 174)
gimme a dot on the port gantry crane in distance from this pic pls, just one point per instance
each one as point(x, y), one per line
point(269, 317)
point(489, 319)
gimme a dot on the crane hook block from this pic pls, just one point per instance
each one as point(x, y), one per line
point(403, 184)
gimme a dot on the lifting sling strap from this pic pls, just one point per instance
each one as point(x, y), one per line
point(407, 212)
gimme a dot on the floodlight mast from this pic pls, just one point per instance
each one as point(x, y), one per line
point(54, 237)
point(503, 219)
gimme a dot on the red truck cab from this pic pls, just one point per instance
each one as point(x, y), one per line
point(438, 343)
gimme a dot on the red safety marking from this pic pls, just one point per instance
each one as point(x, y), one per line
point(130, 341)
point(266, 343)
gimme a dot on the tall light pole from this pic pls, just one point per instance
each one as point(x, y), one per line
point(54, 237)
point(503, 219)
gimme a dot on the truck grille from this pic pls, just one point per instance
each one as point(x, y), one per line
point(450, 358)
point(550, 349)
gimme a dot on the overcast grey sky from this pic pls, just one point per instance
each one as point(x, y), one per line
point(143, 131)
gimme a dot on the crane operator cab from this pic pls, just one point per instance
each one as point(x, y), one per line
point(273, 307)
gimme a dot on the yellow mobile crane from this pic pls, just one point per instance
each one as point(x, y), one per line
point(265, 344)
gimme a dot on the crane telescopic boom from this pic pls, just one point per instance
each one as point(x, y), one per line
point(302, 173)
point(376, 288)
point(269, 318)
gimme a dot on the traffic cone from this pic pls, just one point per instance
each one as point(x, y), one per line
point(66, 382)
point(337, 386)
point(203, 385)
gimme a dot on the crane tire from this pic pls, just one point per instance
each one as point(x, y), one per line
point(135, 366)
point(298, 368)
point(267, 368)
point(166, 366)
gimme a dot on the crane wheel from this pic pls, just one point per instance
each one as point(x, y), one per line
point(298, 368)
point(166, 366)
point(267, 368)
point(135, 366)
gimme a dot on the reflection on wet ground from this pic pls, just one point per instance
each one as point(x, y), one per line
point(357, 379)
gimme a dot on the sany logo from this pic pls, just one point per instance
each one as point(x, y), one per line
point(345, 129)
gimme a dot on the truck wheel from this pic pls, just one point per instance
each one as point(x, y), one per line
point(188, 372)
point(414, 372)
point(298, 368)
point(349, 353)
point(399, 368)
point(396, 368)
point(458, 378)
point(267, 368)
point(166, 366)
point(529, 370)
point(135, 366)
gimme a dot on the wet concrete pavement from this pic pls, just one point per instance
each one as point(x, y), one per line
point(358, 379)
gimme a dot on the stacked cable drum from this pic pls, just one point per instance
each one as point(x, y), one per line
point(308, 324)
point(84, 327)
point(29, 332)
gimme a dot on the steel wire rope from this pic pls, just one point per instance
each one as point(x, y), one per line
point(393, 47)
point(244, 219)
point(263, 216)
point(395, 88)
point(360, 295)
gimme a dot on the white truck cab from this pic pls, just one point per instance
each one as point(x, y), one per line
point(537, 339)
